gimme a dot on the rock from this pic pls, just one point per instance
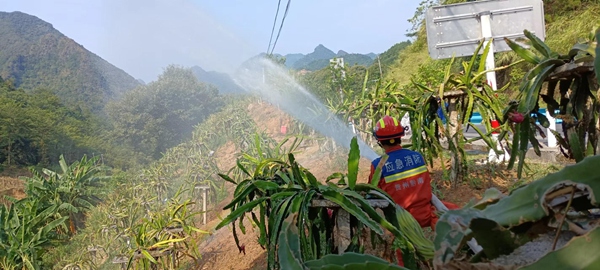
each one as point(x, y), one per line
point(534, 250)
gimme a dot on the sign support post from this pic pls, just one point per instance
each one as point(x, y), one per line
point(549, 134)
point(490, 65)
point(486, 32)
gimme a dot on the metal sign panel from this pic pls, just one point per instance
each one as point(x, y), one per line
point(456, 29)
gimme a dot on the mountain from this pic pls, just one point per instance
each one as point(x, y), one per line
point(388, 57)
point(352, 59)
point(221, 81)
point(372, 55)
point(341, 53)
point(320, 57)
point(36, 55)
point(292, 58)
point(319, 53)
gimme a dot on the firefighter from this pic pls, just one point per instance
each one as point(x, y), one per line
point(404, 176)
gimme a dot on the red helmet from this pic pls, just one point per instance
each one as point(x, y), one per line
point(388, 128)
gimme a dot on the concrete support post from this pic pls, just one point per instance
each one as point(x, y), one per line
point(204, 190)
point(343, 230)
point(551, 137)
point(486, 32)
point(204, 206)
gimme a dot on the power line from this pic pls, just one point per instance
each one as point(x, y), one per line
point(287, 7)
point(274, 23)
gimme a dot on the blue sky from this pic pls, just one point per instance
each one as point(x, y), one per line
point(144, 36)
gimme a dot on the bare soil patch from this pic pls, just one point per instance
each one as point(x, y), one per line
point(11, 185)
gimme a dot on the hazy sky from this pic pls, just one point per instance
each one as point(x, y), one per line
point(144, 36)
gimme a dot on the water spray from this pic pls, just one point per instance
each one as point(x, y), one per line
point(274, 84)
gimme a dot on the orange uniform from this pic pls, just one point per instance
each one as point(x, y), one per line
point(406, 179)
point(404, 176)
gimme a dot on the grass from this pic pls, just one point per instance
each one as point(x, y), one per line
point(479, 173)
point(564, 32)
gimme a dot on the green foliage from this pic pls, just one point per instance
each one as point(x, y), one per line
point(419, 16)
point(330, 85)
point(279, 60)
point(280, 188)
point(320, 53)
point(290, 258)
point(48, 215)
point(385, 60)
point(565, 23)
point(35, 54)
point(554, 9)
point(469, 92)
point(36, 128)
point(164, 236)
point(433, 73)
point(577, 100)
point(597, 61)
point(325, 83)
point(71, 189)
point(27, 229)
point(139, 202)
point(388, 57)
point(418, 19)
point(349, 59)
point(152, 118)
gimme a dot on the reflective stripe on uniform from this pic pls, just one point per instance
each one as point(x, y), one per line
point(382, 124)
point(405, 174)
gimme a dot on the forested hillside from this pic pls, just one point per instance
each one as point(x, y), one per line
point(36, 128)
point(155, 117)
point(222, 81)
point(54, 95)
point(33, 54)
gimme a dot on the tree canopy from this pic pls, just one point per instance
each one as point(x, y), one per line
point(154, 117)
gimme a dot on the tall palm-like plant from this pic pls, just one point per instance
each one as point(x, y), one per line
point(70, 189)
point(577, 101)
point(27, 227)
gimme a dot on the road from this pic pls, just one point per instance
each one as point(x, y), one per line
point(471, 133)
